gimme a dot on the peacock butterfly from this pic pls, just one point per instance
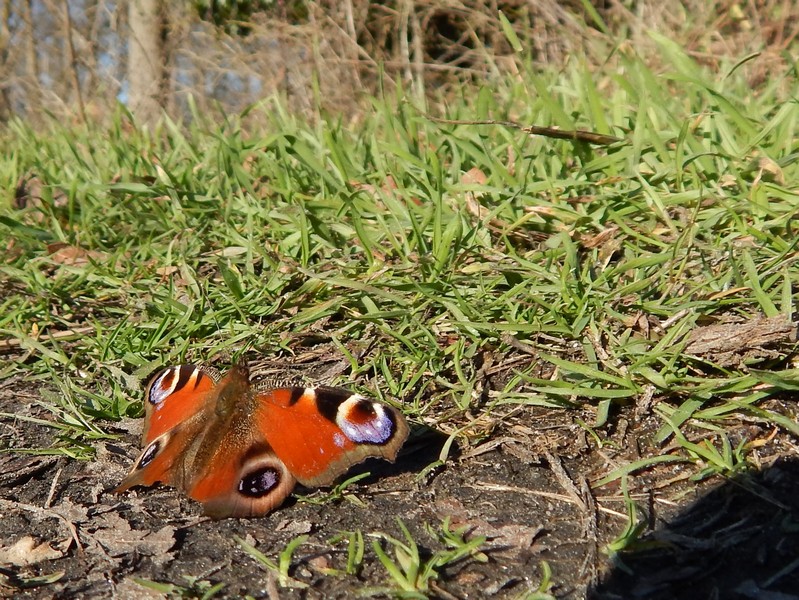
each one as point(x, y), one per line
point(239, 448)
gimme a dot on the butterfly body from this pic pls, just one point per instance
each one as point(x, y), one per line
point(240, 448)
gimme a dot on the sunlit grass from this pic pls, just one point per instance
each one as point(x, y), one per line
point(192, 244)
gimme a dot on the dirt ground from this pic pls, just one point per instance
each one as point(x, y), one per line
point(526, 487)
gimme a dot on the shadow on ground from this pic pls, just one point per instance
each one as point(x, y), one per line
point(741, 540)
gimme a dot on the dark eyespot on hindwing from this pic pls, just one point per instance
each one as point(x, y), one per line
point(260, 482)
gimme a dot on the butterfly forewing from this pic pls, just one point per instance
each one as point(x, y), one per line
point(174, 405)
point(159, 461)
point(175, 395)
point(320, 432)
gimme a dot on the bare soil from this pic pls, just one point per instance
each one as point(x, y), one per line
point(526, 487)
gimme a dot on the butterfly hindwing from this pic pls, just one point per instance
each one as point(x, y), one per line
point(247, 485)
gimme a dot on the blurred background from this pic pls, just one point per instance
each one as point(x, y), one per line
point(76, 59)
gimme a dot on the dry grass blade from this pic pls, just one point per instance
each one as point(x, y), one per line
point(576, 135)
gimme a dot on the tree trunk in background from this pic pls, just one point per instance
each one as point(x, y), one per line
point(148, 69)
point(72, 67)
point(5, 38)
point(31, 60)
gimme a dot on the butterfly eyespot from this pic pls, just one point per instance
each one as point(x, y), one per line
point(149, 454)
point(365, 422)
point(259, 483)
point(173, 380)
point(363, 409)
point(163, 385)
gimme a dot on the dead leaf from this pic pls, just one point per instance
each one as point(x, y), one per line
point(639, 322)
point(769, 170)
point(117, 537)
point(738, 337)
point(730, 344)
point(477, 210)
point(167, 271)
point(540, 210)
point(601, 238)
point(26, 552)
point(509, 536)
point(73, 256)
point(474, 176)
point(293, 527)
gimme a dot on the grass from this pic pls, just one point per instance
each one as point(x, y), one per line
point(578, 271)
point(280, 568)
point(411, 573)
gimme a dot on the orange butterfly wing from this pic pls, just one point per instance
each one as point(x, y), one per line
point(242, 485)
point(174, 404)
point(173, 397)
point(320, 432)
